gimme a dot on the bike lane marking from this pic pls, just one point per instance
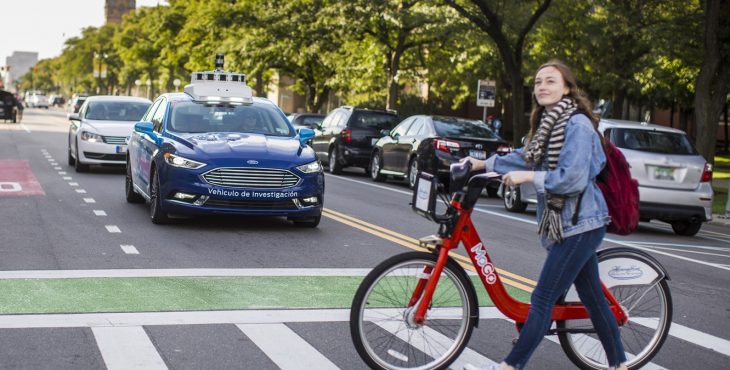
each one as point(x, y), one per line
point(17, 179)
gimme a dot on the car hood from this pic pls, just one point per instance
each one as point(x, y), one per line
point(109, 128)
point(247, 146)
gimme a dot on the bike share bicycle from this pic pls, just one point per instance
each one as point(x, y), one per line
point(417, 310)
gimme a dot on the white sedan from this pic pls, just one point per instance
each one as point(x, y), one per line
point(98, 134)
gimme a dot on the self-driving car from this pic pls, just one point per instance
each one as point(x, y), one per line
point(215, 149)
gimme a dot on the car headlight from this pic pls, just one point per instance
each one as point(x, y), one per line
point(182, 162)
point(91, 137)
point(310, 167)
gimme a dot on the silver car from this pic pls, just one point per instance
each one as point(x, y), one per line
point(674, 179)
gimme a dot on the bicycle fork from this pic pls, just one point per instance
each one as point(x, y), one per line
point(423, 292)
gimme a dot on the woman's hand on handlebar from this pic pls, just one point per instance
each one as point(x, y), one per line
point(476, 164)
point(513, 178)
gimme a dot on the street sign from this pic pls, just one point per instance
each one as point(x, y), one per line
point(486, 93)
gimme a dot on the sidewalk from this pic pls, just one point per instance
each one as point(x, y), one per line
point(718, 219)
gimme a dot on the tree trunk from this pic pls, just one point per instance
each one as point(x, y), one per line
point(520, 125)
point(711, 86)
point(618, 104)
point(393, 67)
point(321, 98)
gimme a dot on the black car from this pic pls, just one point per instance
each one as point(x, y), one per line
point(431, 144)
point(348, 135)
point(9, 107)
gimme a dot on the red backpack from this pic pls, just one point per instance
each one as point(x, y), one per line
point(620, 191)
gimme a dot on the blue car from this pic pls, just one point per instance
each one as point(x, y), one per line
point(215, 149)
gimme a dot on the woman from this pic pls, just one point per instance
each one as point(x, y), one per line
point(562, 159)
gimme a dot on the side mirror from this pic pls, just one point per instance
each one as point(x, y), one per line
point(384, 132)
point(305, 134)
point(143, 127)
point(74, 117)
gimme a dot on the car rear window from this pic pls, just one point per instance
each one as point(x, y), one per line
point(197, 117)
point(374, 120)
point(116, 110)
point(652, 141)
point(461, 128)
point(312, 121)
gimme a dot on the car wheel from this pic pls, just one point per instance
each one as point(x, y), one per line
point(334, 164)
point(130, 194)
point(78, 166)
point(71, 160)
point(307, 222)
point(157, 215)
point(686, 228)
point(513, 199)
point(412, 172)
point(375, 167)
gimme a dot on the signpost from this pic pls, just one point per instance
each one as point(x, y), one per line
point(486, 93)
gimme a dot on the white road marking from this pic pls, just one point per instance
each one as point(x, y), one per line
point(73, 183)
point(125, 273)
point(25, 128)
point(113, 229)
point(81, 191)
point(58, 168)
point(50, 159)
point(129, 249)
point(285, 348)
point(691, 335)
point(89, 200)
point(62, 173)
point(99, 212)
point(67, 178)
point(127, 348)
point(685, 251)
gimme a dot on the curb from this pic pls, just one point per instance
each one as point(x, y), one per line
point(719, 220)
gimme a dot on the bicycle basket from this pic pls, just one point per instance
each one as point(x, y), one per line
point(424, 195)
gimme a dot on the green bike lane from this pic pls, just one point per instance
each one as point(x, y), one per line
point(104, 291)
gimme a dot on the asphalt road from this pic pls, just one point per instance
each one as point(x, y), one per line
point(91, 283)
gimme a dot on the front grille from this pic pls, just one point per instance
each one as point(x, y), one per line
point(115, 140)
point(247, 177)
point(248, 204)
point(106, 157)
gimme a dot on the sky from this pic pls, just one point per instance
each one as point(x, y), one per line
point(44, 25)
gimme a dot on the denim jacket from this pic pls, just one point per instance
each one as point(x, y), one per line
point(581, 160)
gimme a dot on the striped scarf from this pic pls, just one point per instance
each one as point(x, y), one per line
point(549, 138)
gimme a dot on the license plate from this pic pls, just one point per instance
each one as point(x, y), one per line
point(121, 148)
point(478, 154)
point(664, 173)
point(374, 140)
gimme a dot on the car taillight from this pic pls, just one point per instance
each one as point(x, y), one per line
point(445, 145)
point(706, 173)
point(346, 135)
point(503, 149)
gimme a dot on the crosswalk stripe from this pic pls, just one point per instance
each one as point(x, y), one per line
point(127, 348)
point(285, 348)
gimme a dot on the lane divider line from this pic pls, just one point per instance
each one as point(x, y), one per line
point(81, 191)
point(99, 212)
point(73, 183)
point(129, 249)
point(89, 200)
point(113, 229)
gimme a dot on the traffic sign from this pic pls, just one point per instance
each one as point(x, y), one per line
point(486, 93)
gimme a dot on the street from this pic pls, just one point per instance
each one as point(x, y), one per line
point(89, 282)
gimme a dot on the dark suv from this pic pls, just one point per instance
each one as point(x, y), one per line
point(348, 135)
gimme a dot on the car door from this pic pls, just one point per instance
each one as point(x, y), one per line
point(149, 145)
point(74, 129)
point(408, 143)
point(321, 141)
point(390, 147)
point(136, 147)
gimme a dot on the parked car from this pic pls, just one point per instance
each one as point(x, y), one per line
point(74, 104)
point(56, 100)
point(10, 108)
point(348, 135)
point(674, 179)
point(215, 149)
point(98, 134)
point(307, 120)
point(38, 101)
point(432, 144)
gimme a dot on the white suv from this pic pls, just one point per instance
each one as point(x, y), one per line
point(675, 181)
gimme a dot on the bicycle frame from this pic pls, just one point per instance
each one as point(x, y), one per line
point(465, 233)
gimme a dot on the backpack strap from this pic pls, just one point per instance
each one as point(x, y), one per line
point(574, 220)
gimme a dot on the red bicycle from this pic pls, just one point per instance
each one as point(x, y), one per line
point(417, 310)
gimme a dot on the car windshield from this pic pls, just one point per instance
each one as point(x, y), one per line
point(653, 141)
point(461, 128)
point(116, 110)
point(194, 117)
point(379, 121)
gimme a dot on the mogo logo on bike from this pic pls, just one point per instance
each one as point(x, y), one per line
point(484, 264)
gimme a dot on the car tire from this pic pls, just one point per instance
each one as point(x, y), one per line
point(71, 160)
point(129, 193)
point(513, 199)
point(686, 228)
point(333, 162)
point(157, 215)
point(307, 222)
point(412, 175)
point(375, 166)
point(78, 166)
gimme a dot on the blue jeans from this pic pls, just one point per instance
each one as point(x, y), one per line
point(573, 261)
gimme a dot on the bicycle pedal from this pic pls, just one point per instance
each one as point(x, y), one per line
point(431, 241)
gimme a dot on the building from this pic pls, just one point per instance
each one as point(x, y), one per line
point(17, 65)
point(115, 9)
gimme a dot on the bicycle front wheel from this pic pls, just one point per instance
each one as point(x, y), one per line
point(381, 320)
point(639, 284)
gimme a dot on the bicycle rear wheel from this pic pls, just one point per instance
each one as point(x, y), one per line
point(381, 322)
point(640, 285)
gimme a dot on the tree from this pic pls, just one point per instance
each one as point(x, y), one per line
point(713, 81)
point(508, 25)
